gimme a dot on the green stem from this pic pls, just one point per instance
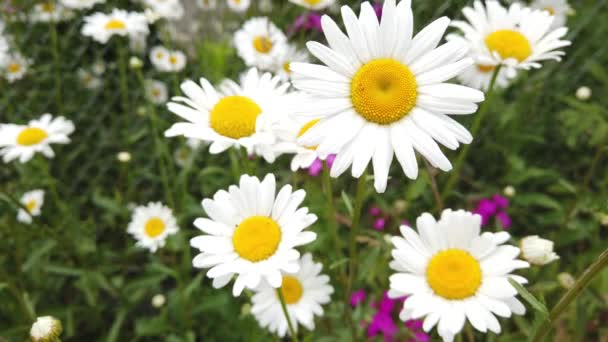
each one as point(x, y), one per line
point(124, 87)
point(481, 113)
point(331, 210)
point(433, 183)
point(234, 164)
point(580, 284)
point(354, 231)
point(57, 62)
point(292, 331)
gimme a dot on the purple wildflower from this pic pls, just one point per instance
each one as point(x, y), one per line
point(357, 297)
point(495, 207)
point(374, 211)
point(317, 166)
point(305, 22)
point(379, 223)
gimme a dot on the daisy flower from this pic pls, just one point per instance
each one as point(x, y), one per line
point(314, 5)
point(259, 42)
point(169, 9)
point(559, 9)
point(23, 141)
point(151, 225)
point(49, 11)
point(383, 92)
point(46, 328)
point(88, 79)
point(207, 5)
point(32, 201)
point(287, 56)
point(304, 292)
point(15, 67)
point(516, 37)
point(451, 272)
point(81, 4)
point(242, 118)
point(238, 6)
point(252, 233)
point(101, 27)
point(156, 91)
point(167, 60)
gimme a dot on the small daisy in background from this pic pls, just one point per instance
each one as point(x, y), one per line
point(559, 9)
point(252, 232)
point(15, 66)
point(304, 292)
point(80, 4)
point(167, 60)
point(33, 202)
point(156, 91)
point(239, 6)
point(168, 9)
point(88, 79)
point(24, 141)
point(151, 225)
point(287, 56)
point(259, 43)
point(451, 273)
point(517, 37)
point(314, 5)
point(101, 27)
point(46, 329)
point(243, 118)
point(49, 11)
point(207, 5)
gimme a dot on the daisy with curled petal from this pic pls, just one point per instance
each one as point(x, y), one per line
point(259, 42)
point(287, 56)
point(383, 93)
point(15, 66)
point(304, 292)
point(314, 5)
point(242, 118)
point(32, 201)
point(23, 141)
point(559, 9)
point(517, 37)
point(101, 27)
point(81, 4)
point(451, 273)
point(252, 233)
point(151, 225)
point(238, 6)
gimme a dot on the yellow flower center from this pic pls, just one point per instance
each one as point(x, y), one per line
point(160, 55)
point(256, 238)
point(31, 136)
point(48, 7)
point(262, 44)
point(30, 206)
point(551, 10)
point(154, 227)
point(454, 274)
point(509, 44)
point(291, 288)
point(155, 92)
point(383, 91)
point(287, 67)
point(115, 24)
point(173, 60)
point(485, 68)
point(312, 2)
point(305, 128)
point(14, 68)
point(235, 116)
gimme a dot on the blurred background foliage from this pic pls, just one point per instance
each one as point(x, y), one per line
point(77, 263)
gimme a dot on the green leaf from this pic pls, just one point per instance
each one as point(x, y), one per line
point(528, 297)
point(115, 329)
point(347, 203)
point(37, 254)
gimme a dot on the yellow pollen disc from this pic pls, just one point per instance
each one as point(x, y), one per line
point(160, 55)
point(31, 136)
point(172, 60)
point(287, 67)
point(551, 10)
point(256, 238)
point(155, 92)
point(305, 128)
point(154, 227)
point(454, 274)
point(383, 91)
point(30, 206)
point(14, 67)
point(234, 116)
point(48, 7)
point(115, 24)
point(312, 2)
point(485, 68)
point(291, 288)
point(509, 44)
point(262, 44)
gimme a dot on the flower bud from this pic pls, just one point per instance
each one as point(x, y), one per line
point(537, 251)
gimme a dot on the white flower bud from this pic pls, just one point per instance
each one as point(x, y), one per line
point(46, 328)
point(537, 251)
point(583, 93)
point(509, 191)
point(158, 301)
point(135, 62)
point(566, 280)
point(123, 157)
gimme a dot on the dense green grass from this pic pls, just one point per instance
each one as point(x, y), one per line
point(77, 263)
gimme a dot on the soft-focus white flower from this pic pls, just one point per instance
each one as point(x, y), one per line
point(169, 9)
point(382, 93)
point(135, 62)
point(207, 5)
point(99, 67)
point(14, 66)
point(559, 9)
point(265, 6)
point(238, 6)
point(81, 4)
point(566, 280)
point(314, 4)
point(167, 60)
point(509, 191)
point(123, 157)
point(151, 225)
point(32, 201)
point(158, 300)
point(583, 93)
point(451, 273)
point(49, 11)
point(304, 292)
point(537, 251)
point(23, 141)
point(252, 233)
point(88, 79)
point(287, 56)
point(101, 27)
point(156, 91)
point(259, 43)
point(45, 329)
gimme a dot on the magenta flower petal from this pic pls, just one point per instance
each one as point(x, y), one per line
point(379, 223)
point(504, 219)
point(357, 297)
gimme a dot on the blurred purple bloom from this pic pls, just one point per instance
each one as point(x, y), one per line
point(379, 223)
point(504, 219)
point(383, 322)
point(374, 211)
point(308, 21)
point(496, 206)
point(317, 166)
point(500, 201)
point(357, 297)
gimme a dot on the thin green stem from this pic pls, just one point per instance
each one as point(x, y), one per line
point(57, 66)
point(433, 183)
point(234, 164)
point(578, 287)
point(124, 87)
point(354, 231)
point(481, 113)
point(292, 331)
point(331, 209)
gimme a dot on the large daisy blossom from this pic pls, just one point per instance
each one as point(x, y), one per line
point(259, 42)
point(101, 27)
point(304, 292)
point(151, 225)
point(382, 92)
point(242, 118)
point(23, 141)
point(451, 272)
point(517, 37)
point(252, 233)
